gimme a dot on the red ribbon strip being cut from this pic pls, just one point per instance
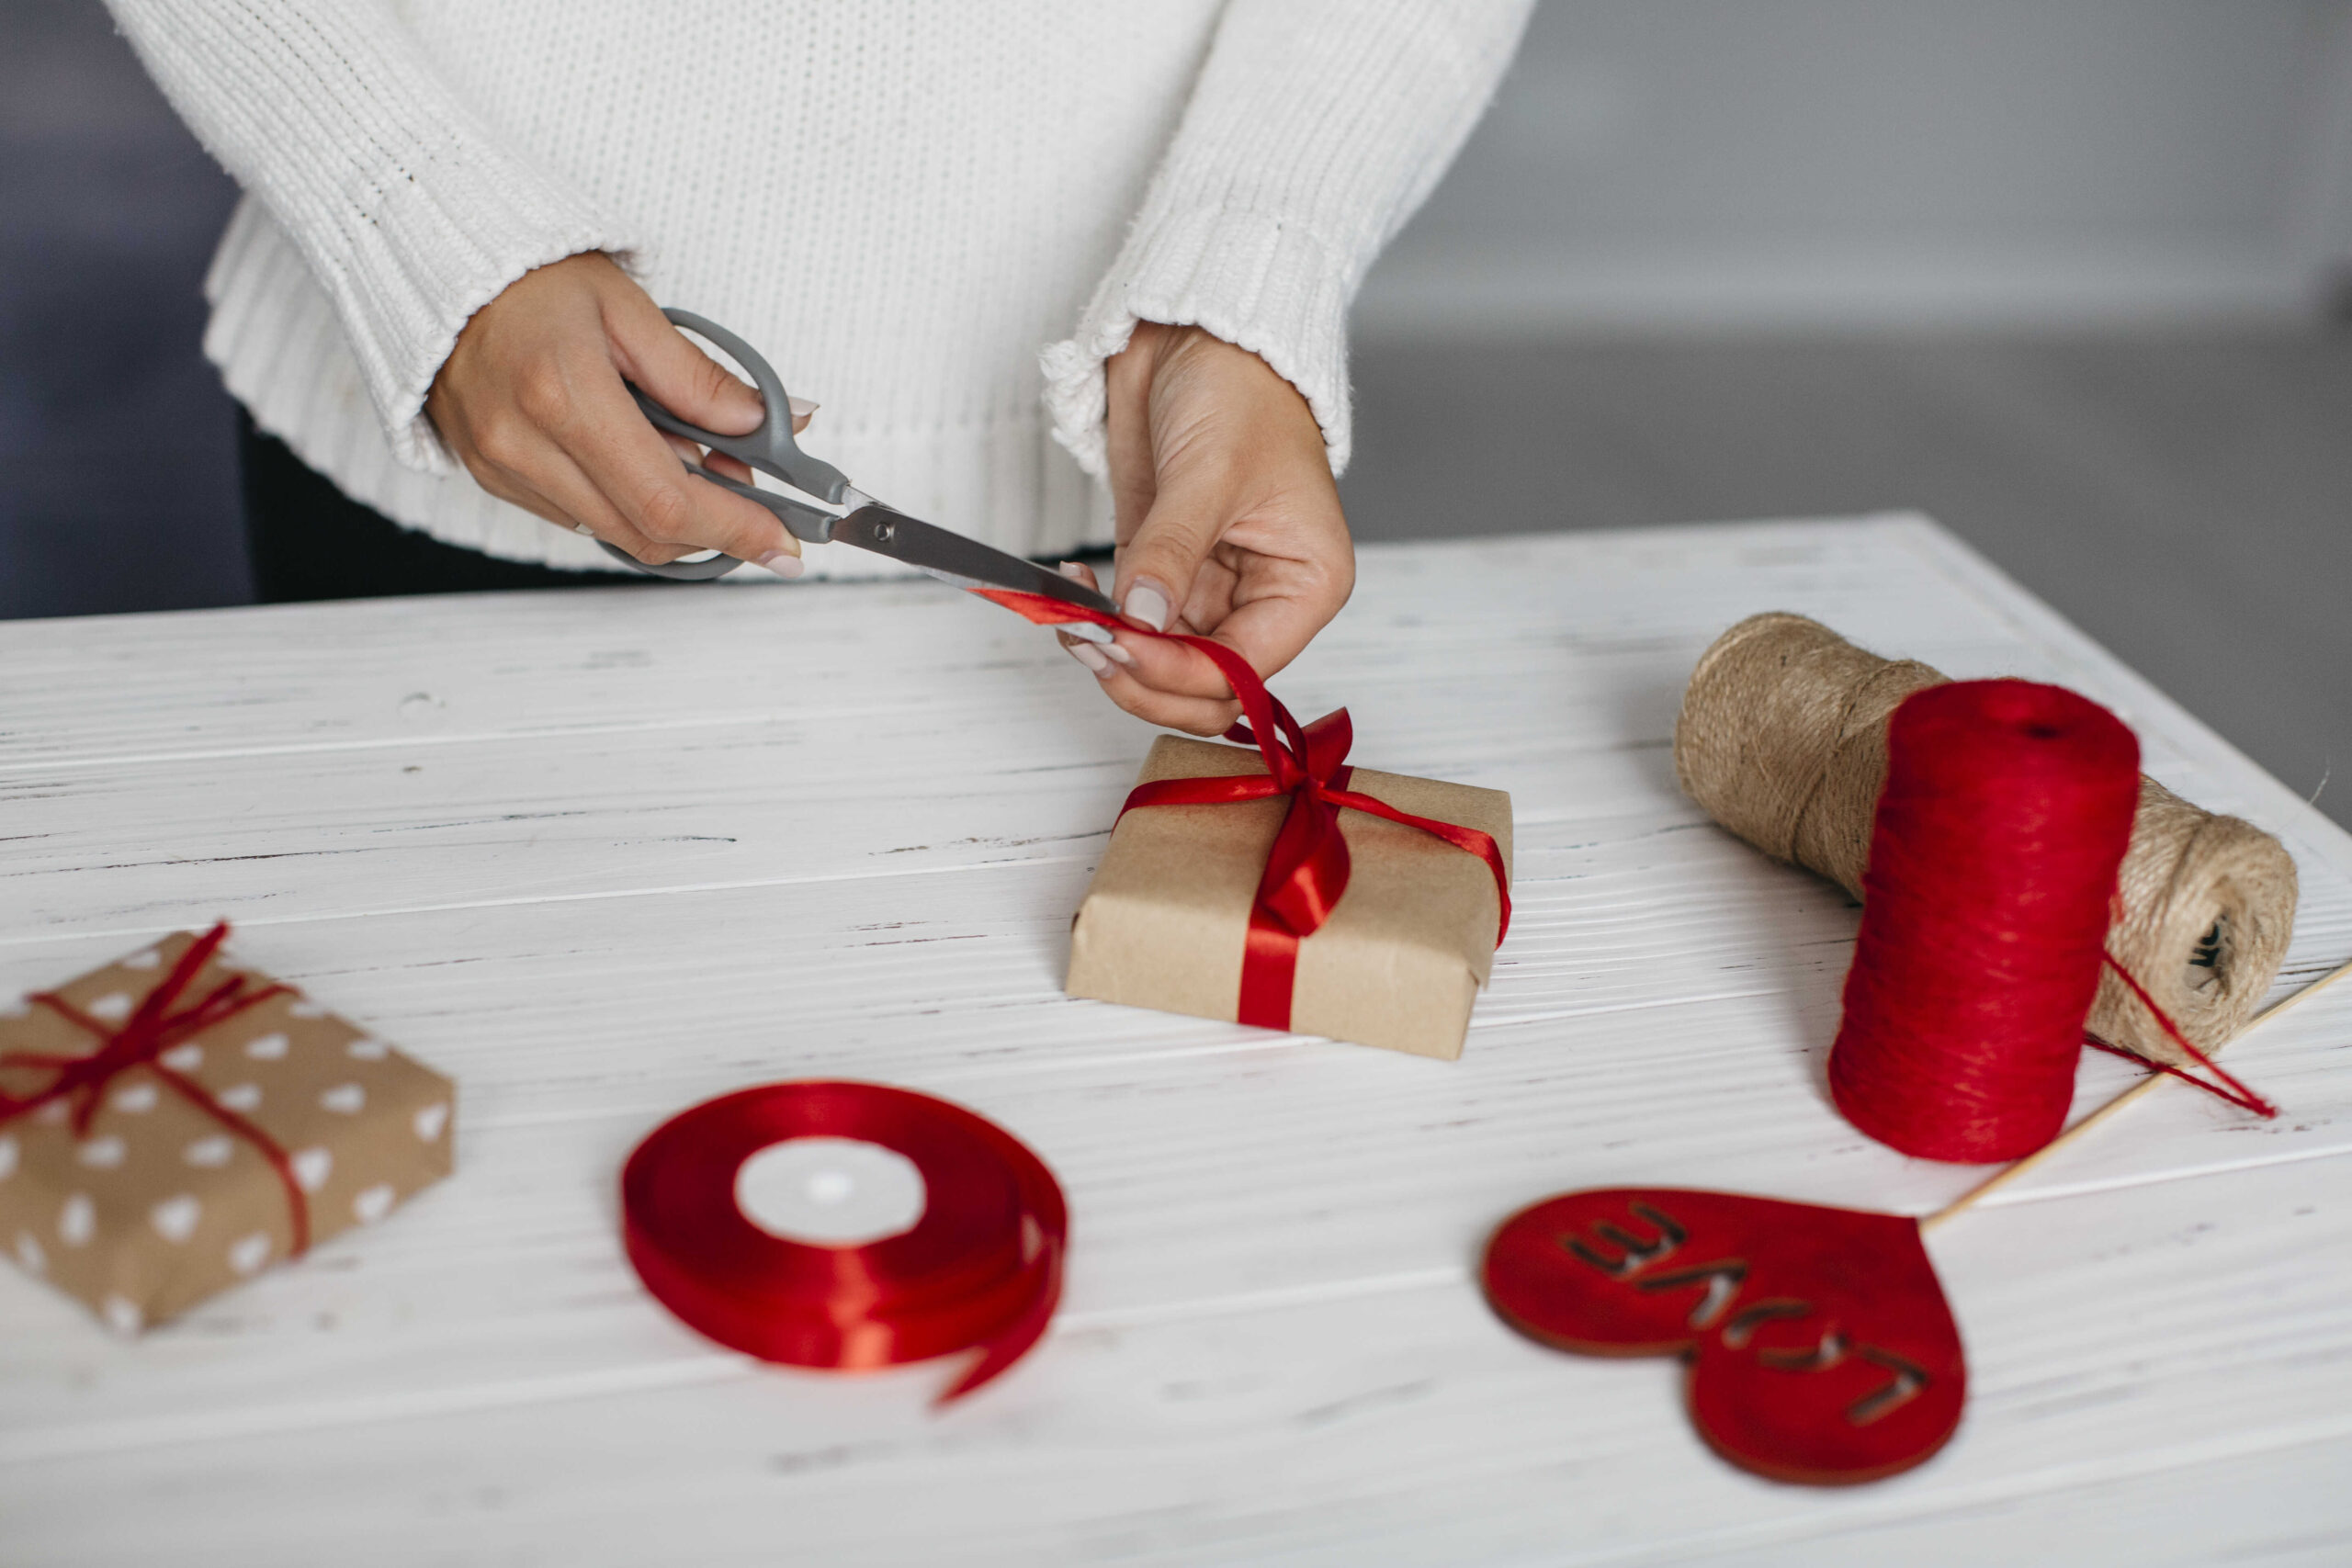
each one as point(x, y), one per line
point(1307, 871)
point(153, 1028)
point(982, 1267)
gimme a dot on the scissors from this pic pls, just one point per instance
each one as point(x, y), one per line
point(848, 516)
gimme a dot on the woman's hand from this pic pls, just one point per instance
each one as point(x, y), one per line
point(531, 401)
point(1229, 524)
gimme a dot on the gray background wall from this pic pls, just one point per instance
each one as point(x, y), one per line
point(118, 487)
point(2058, 271)
point(1685, 164)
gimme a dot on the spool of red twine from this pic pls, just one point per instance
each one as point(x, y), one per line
point(980, 1269)
point(2005, 813)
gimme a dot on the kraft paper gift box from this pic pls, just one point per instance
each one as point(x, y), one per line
point(1397, 964)
point(140, 1174)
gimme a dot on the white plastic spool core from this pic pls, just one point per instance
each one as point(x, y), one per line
point(829, 1191)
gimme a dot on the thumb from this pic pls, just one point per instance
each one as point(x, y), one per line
point(668, 369)
point(1157, 567)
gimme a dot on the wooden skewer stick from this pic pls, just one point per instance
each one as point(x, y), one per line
point(1969, 1199)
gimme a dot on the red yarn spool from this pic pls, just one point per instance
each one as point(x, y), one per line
point(2007, 810)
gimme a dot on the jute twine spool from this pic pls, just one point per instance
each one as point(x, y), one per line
point(1782, 739)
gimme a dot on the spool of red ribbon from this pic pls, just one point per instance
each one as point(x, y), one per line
point(980, 1270)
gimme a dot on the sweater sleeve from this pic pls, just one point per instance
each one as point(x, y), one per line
point(410, 211)
point(1316, 129)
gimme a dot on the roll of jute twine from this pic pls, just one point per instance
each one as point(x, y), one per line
point(1782, 739)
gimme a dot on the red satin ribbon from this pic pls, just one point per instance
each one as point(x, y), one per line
point(981, 1268)
point(1307, 871)
point(152, 1029)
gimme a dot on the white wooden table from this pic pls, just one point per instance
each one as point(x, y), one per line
point(601, 855)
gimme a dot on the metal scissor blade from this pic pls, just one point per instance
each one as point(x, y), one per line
point(967, 563)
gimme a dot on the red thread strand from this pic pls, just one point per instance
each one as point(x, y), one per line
point(2230, 1089)
point(2005, 813)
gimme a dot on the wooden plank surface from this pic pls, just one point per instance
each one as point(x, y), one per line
point(600, 855)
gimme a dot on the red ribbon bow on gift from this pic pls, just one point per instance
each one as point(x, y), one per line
point(154, 1027)
point(1307, 871)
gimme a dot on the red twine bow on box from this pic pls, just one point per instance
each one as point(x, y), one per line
point(1307, 871)
point(156, 1025)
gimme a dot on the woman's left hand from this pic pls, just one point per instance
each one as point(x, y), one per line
point(1229, 524)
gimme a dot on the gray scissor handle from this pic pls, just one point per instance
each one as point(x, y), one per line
point(769, 448)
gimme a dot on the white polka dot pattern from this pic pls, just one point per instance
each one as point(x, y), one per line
point(431, 1120)
point(266, 1047)
point(184, 1058)
point(123, 1316)
point(146, 958)
point(29, 1254)
point(374, 1203)
point(7, 1156)
point(112, 1008)
point(77, 1220)
point(310, 1168)
point(249, 1253)
point(240, 1097)
point(345, 1098)
point(137, 1097)
point(175, 1218)
point(210, 1153)
point(369, 1050)
point(102, 1154)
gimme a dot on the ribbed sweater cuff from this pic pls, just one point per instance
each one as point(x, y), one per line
point(446, 248)
point(1251, 278)
point(410, 210)
point(417, 321)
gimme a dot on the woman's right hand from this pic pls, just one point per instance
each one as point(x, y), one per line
point(531, 401)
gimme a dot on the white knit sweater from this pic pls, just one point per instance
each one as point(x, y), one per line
point(898, 201)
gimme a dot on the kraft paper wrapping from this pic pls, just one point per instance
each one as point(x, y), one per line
point(158, 1205)
point(1397, 965)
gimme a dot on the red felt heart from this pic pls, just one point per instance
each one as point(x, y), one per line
point(1819, 1344)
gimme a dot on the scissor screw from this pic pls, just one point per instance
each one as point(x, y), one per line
point(881, 533)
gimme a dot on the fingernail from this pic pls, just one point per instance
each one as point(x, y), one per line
point(1147, 604)
point(1072, 570)
point(801, 406)
point(1114, 651)
point(1086, 653)
point(784, 563)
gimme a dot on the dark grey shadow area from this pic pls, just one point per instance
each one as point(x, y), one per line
point(118, 476)
point(2185, 498)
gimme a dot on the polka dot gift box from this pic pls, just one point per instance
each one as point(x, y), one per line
point(171, 1125)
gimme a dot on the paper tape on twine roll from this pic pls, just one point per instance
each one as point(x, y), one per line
point(1783, 738)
